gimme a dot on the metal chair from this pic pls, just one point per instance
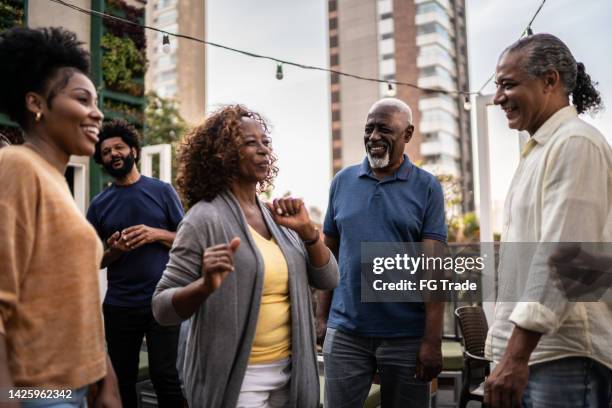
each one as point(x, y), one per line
point(473, 324)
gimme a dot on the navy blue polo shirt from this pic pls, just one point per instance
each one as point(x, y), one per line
point(407, 206)
point(133, 276)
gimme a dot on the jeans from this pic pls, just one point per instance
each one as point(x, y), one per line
point(351, 362)
point(125, 328)
point(574, 382)
point(78, 399)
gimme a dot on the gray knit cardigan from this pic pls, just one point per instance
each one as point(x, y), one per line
point(222, 329)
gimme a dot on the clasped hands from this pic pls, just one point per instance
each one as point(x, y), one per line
point(132, 237)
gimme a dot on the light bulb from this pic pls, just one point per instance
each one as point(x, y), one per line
point(279, 71)
point(391, 90)
point(166, 44)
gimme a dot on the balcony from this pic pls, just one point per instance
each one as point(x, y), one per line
point(436, 147)
point(435, 38)
point(443, 103)
point(434, 126)
point(437, 82)
point(434, 17)
point(441, 60)
point(444, 3)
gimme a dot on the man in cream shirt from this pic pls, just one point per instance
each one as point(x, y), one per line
point(550, 351)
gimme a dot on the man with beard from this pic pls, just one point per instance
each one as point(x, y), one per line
point(137, 217)
point(384, 199)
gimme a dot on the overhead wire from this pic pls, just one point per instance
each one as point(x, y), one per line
point(279, 61)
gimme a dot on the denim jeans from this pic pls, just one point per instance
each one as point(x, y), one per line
point(125, 328)
point(78, 399)
point(351, 362)
point(574, 382)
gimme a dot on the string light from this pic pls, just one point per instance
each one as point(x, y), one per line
point(279, 71)
point(467, 105)
point(280, 61)
point(166, 44)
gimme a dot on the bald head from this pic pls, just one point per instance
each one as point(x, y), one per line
point(393, 104)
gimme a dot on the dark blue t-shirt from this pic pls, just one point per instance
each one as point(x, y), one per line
point(407, 206)
point(133, 276)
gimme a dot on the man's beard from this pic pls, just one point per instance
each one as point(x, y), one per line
point(128, 164)
point(378, 162)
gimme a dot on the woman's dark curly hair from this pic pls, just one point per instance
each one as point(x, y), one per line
point(118, 128)
point(30, 59)
point(209, 156)
point(545, 52)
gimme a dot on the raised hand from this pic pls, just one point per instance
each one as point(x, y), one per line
point(291, 213)
point(218, 262)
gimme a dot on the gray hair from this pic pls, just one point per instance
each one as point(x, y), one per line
point(545, 52)
point(398, 104)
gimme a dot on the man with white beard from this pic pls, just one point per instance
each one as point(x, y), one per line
point(384, 199)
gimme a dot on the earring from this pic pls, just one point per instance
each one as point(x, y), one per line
point(38, 116)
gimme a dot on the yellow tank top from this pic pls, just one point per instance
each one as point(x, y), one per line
point(272, 340)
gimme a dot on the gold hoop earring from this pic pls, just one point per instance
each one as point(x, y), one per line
point(38, 116)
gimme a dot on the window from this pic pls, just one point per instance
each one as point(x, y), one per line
point(333, 41)
point(386, 36)
point(166, 18)
point(333, 23)
point(385, 16)
point(337, 154)
point(437, 115)
point(436, 70)
point(433, 28)
point(334, 60)
point(333, 5)
point(388, 56)
point(335, 115)
point(335, 97)
point(336, 135)
point(167, 75)
point(430, 7)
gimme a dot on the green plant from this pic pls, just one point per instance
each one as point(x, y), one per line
point(11, 14)
point(122, 62)
point(163, 124)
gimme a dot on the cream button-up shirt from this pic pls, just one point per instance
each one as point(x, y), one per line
point(561, 192)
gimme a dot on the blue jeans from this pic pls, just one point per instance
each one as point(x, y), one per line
point(78, 400)
point(351, 362)
point(574, 382)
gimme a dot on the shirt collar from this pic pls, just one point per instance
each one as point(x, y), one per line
point(400, 174)
point(543, 134)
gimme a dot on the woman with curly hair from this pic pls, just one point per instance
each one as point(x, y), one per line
point(241, 271)
point(51, 332)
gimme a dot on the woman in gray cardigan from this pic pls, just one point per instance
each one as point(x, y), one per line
point(218, 273)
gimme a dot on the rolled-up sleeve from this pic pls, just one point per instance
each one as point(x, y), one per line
point(575, 209)
point(183, 268)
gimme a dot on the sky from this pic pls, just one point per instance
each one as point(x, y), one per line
point(298, 105)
